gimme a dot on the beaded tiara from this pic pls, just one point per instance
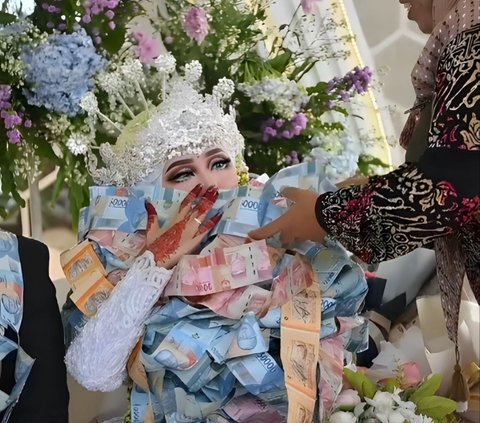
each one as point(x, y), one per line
point(187, 122)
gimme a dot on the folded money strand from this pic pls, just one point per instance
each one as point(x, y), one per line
point(215, 333)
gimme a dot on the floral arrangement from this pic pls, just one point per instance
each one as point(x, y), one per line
point(399, 399)
point(75, 72)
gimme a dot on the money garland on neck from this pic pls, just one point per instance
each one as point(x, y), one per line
point(231, 327)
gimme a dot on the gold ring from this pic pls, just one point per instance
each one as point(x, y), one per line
point(197, 220)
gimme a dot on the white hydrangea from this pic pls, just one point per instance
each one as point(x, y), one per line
point(193, 71)
point(286, 96)
point(224, 89)
point(78, 144)
point(166, 63)
point(132, 71)
point(110, 82)
point(341, 153)
point(89, 103)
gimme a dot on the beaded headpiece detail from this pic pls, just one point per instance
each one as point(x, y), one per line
point(187, 122)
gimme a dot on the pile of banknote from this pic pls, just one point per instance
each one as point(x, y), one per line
point(245, 330)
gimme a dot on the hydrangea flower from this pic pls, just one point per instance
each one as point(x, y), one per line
point(78, 144)
point(60, 72)
point(340, 151)
point(284, 95)
point(166, 63)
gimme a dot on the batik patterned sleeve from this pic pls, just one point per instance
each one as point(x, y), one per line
point(417, 203)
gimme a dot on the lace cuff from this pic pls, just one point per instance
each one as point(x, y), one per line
point(98, 356)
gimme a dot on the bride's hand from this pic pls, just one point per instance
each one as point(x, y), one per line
point(186, 232)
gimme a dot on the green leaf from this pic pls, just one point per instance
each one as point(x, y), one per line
point(436, 407)
point(281, 62)
point(361, 383)
point(320, 88)
point(6, 18)
point(391, 385)
point(346, 408)
point(365, 161)
point(341, 110)
point(114, 40)
point(427, 388)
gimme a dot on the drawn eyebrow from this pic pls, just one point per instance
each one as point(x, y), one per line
point(190, 161)
point(180, 163)
point(214, 151)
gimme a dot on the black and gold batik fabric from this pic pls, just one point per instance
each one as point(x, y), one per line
point(433, 202)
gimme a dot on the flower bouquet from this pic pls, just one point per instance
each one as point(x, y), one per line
point(398, 399)
point(74, 73)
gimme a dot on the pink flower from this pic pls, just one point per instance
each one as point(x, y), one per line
point(347, 397)
point(308, 5)
point(148, 47)
point(411, 375)
point(196, 24)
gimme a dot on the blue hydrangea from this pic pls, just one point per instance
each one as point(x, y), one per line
point(61, 71)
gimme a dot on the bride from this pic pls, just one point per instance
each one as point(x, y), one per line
point(194, 311)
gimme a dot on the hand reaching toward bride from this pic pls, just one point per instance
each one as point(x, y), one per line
point(186, 232)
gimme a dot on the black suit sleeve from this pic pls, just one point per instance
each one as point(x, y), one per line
point(45, 396)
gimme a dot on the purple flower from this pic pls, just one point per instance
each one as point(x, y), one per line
point(268, 133)
point(14, 136)
point(281, 128)
point(5, 96)
point(345, 95)
point(330, 104)
point(356, 81)
point(301, 120)
point(11, 120)
point(292, 158)
point(196, 24)
point(28, 123)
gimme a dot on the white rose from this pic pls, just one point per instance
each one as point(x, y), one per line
point(382, 401)
point(343, 417)
point(396, 417)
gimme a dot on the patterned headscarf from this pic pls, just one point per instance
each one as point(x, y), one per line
point(450, 18)
point(440, 8)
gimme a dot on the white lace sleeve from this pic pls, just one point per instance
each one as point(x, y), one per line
point(98, 356)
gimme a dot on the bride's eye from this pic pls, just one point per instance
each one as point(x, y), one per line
point(221, 164)
point(181, 176)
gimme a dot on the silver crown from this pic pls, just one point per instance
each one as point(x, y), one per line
point(185, 123)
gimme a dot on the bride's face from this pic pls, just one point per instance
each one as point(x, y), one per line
point(214, 167)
